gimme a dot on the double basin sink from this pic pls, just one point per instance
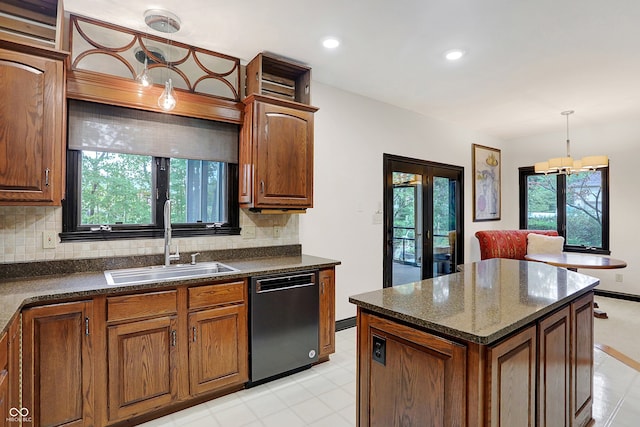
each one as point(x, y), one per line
point(161, 273)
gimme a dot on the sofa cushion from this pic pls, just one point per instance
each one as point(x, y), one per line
point(541, 244)
point(506, 243)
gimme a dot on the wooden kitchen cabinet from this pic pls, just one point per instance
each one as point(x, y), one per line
point(142, 347)
point(512, 380)
point(554, 366)
point(158, 341)
point(327, 323)
point(218, 337)
point(581, 386)
point(57, 364)
point(276, 154)
point(408, 376)
point(4, 379)
point(32, 125)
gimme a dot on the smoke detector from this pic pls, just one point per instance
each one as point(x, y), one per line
point(162, 20)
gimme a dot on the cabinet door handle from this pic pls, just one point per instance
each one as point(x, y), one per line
point(46, 177)
point(86, 326)
point(322, 288)
point(262, 187)
point(173, 338)
point(194, 334)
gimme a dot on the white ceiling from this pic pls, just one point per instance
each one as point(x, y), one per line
point(527, 60)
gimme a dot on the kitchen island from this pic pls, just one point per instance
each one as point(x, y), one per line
point(503, 343)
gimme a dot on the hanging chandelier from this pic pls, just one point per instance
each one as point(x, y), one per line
point(566, 165)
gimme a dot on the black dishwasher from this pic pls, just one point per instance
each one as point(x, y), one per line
point(284, 323)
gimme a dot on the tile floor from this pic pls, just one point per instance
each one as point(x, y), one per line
point(324, 396)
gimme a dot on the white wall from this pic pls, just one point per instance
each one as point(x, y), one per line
point(621, 142)
point(351, 135)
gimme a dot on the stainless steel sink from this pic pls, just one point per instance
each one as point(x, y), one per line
point(160, 273)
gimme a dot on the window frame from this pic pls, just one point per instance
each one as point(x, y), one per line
point(73, 231)
point(561, 226)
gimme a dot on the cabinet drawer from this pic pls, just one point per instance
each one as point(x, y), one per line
point(141, 305)
point(223, 293)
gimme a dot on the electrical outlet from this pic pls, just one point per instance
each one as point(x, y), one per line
point(619, 277)
point(49, 239)
point(277, 231)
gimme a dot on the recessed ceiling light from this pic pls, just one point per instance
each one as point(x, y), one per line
point(454, 54)
point(331, 43)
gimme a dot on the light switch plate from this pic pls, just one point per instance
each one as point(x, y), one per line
point(49, 239)
point(277, 231)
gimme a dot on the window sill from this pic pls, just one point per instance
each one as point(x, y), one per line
point(118, 234)
point(583, 250)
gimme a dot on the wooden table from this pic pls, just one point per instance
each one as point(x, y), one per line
point(573, 261)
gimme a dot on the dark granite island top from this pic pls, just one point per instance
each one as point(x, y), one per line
point(482, 304)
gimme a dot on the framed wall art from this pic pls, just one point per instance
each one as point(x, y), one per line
point(486, 183)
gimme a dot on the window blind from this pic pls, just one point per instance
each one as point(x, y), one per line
point(101, 127)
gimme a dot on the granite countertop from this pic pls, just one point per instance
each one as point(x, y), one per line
point(19, 292)
point(482, 304)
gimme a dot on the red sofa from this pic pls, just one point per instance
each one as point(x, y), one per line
point(506, 243)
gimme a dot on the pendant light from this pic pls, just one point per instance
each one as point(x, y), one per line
point(165, 22)
point(167, 100)
point(566, 165)
point(144, 78)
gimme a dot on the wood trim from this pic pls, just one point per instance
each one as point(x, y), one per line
point(17, 44)
point(280, 102)
point(94, 87)
point(619, 356)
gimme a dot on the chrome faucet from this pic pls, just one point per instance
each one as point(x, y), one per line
point(168, 256)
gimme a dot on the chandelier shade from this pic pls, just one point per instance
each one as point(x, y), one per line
point(567, 165)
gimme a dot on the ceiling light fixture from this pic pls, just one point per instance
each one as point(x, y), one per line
point(162, 20)
point(566, 165)
point(454, 54)
point(331, 43)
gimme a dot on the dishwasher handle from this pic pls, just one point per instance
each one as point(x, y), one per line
point(282, 283)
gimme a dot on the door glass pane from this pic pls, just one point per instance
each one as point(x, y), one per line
point(115, 188)
point(444, 225)
point(542, 202)
point(407, 228)
point(584, 209)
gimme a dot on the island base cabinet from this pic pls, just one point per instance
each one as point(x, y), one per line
point(512, 381)
point(58, 364)
point(408, 377)
point(582, 361)
point(554, 366)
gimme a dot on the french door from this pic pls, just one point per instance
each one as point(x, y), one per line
point(423, 219)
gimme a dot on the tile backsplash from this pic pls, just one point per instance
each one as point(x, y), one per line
point(22, 229)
